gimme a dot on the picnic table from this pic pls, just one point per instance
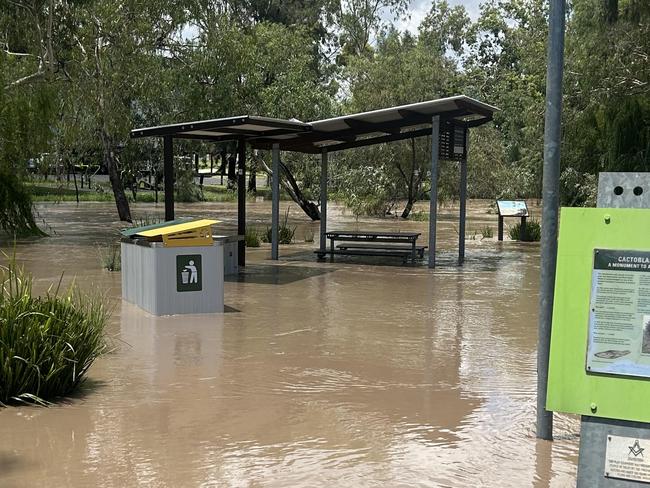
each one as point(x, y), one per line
point(367, 243)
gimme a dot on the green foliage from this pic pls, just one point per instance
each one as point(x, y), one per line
point(487, 232)
point(47, 343)
point(419, 216)
point(285, 233)
point(111, 257)
point(252, 237)
point(16, 210)
point(533, 231)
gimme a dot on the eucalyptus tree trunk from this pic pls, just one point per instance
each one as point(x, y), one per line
point(290, 185)
point(110, 162)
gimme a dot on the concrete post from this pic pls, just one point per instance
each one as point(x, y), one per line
point(275, 206)
point(463, 202)
point(323, 200)
point(433, 203)
point(168, 174)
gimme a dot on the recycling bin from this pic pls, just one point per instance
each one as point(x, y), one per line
point(173, 268)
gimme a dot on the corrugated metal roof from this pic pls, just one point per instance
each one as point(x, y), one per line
point(337, 133)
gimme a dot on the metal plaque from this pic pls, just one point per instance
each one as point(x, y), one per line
point(619, 313)
point(627, 458)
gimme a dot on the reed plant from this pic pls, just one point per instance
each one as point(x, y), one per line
point(47, 343)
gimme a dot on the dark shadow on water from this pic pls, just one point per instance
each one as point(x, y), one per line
point(265, 274)
point(227, 309)
point(488, 259)
point(10, 462)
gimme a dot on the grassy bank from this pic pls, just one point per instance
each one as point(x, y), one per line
point(43, 191)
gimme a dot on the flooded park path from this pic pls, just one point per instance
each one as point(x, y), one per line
point(340, 373)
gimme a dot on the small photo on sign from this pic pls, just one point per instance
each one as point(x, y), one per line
point(188, 272)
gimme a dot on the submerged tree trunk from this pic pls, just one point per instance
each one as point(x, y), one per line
point(121, 201)
point(232, 173)
point(291, 187)
point(413, 183)
point(252, 177)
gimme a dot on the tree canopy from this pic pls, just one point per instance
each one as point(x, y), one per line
point(77, 75)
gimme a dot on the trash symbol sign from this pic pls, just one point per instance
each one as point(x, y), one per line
point(188, 272)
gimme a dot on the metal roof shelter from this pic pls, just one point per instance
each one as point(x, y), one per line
point(447, 120)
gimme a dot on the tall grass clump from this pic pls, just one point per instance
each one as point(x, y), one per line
point(111, 257)
point(285, 233)
point(252, 237)
point(533, 231)
point(47, 343)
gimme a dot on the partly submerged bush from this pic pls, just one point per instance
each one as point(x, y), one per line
point(487, 232)
point(111, 257)
point(285, 233)
point(533, 231)
point(16, 209)
point(252, 237)
point(47, 343)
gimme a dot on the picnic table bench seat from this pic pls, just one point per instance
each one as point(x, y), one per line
point(373, 243)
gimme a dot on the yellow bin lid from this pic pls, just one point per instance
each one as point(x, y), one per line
point(194, 233)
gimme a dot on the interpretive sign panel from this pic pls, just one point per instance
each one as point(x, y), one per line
point(625, 458)
point(619, 313)
point(512, 208)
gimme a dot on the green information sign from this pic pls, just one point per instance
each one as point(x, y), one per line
point(619, 316)
point(188, 272)
point(599, 313)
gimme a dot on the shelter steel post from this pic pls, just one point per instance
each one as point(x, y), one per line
point(275, 207)
point(323, 200)
point(433, 203)
point(241, 201)
point(168, 170)
point(550, 198)
point(463, 202)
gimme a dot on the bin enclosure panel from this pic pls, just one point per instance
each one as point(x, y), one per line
point(150, 278)
point(570, 388)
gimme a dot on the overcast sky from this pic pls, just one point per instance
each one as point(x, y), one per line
point(419, 9)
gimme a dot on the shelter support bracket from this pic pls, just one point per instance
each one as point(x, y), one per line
point(275, 207)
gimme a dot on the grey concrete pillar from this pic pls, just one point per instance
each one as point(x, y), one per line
point(323, 200)
point(275, 207)
point(463, 202)
point(433, 203)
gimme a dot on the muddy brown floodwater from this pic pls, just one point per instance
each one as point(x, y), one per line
point(352, 373)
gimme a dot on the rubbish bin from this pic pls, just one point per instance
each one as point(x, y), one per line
point(173, 268)
point(230, 253)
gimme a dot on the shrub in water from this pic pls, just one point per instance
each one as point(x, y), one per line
point(487, 232)
point(47, 343)
point(285, 233)
point(533, 231)
point(110, 257)
point(252, 237)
